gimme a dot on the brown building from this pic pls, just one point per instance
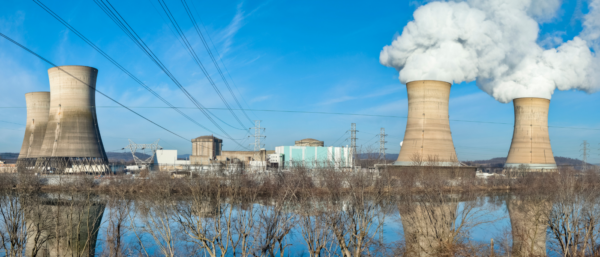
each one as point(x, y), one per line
point(309, 142)
point(209, 148)
point(205, 149)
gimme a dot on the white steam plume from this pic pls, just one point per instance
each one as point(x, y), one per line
point(494, 43)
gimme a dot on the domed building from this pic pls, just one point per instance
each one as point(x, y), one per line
point(309, 142)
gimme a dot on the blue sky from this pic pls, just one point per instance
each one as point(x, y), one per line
point(316, 56)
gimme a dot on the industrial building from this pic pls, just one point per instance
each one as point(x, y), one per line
point(313, 156)
point(530, 146)
point(38, 106)
point(208, 149)
point(167, 160)
point(427, 135)
point(63, 135)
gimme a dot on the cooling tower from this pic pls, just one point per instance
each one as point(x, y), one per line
point(531, 143)
point(38, 104)
point(427, 135)
point(72, 142)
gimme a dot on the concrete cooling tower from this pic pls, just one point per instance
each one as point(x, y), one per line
point(427, 135)
point(72, 142)
point(38, 104)
point(531, 142)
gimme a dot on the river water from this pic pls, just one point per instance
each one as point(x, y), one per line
point(86, 224)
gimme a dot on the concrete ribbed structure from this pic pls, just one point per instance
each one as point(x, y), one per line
point(529, 222)
point(38, 105)
point(531, 142)
point(427, 226)
point(63, 227)
point(427, 135)
point(72, 142)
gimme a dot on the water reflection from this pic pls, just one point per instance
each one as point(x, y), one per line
point(529, 223)
point(62, 225)
point(236, 224)
point(428, 225)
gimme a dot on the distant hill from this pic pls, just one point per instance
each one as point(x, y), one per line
point(112, 156)
point(498, 162)
point(388, 156)
point(125, 157)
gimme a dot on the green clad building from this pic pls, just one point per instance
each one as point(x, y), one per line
point(315, 156)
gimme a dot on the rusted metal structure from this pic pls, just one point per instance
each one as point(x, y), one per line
point(530, 145)
point(72, 143)
point(427, 140)
point(38, 105)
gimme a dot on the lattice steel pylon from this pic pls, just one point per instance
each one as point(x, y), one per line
point(382, 144)
point(584, 148)
point(133, 147)
point(257, 135)
point(353, 140)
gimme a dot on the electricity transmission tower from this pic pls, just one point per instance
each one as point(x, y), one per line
point(353, 140)
point(257, 135)
point(584, 148)
point(382, 144)
point(133, 147)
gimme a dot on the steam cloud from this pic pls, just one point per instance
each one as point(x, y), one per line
point(495, 43)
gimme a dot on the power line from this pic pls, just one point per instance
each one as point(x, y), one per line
point(189, 12)
point(192, 52)
point(220, 59)
point(85, 39)
point(332, 113)
point(116, 17)
point(12, 123)
point(51, 63)
point(340, 138)
point(344, 114)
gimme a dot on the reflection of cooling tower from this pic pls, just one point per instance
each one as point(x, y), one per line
point(72, 142)
point(531, 143)
point(428, 127)
point(38, 104)
point(426, 226)
point(529, 220)
point(75, 223)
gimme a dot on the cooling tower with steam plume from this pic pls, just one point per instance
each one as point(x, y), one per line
point(72, 142)
point(495, 43)
point(427, 138)
point(531, 142)
point(38, 104)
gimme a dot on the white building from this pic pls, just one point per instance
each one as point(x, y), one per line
point(167, 160)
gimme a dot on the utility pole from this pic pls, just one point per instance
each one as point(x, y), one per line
point(257, 135)
point(353, 140)
point(584, 148)
point(382, 145)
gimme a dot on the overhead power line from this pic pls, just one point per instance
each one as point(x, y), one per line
point(191, 16)
point(85, 39)
point(192, 52)
point(219, 55)
point(116, 17)
point(54, 65)
point(335, 113)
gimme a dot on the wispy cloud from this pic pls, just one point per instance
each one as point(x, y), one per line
point(231, 30)
point(260, 98)
point(377, 93)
